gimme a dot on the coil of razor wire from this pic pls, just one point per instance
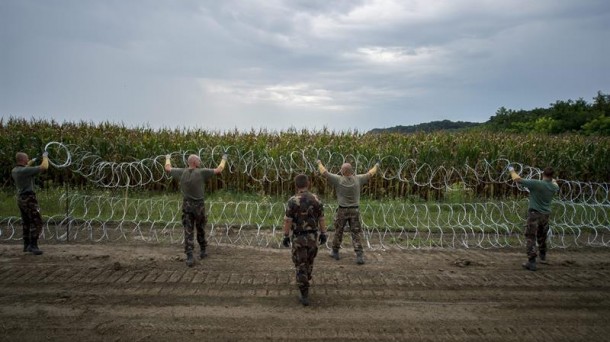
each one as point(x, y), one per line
point(580, 214)
point(262, 167)
point(384, 225)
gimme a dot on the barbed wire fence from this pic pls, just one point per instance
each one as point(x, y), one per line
point(581, 211)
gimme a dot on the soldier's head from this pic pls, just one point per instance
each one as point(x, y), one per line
point(194, 161)
point(548, 173)
point(347, 169)
point(21, 158)
point(301, 181)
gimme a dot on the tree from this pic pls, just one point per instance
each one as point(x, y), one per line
point(545, 125)
point(601, 103)
point(598, 126)
point(562, 116)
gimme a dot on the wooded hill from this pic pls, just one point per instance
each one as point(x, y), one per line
point(568, 116)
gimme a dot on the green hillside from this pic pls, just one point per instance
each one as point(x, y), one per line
point(579, 116)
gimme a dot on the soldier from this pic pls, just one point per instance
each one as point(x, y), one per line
point(538, 213)
point(23, 174)
point(192, 180)
point(347, 187)
point(304, 217)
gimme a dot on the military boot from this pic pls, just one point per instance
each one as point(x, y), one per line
point(530, 264)
point(202, 254)
point(335, 254)
point(304, 297)
point(189, 259)
point(543, 258)
point(26, 243)
point(360, 258)
point(33, 247)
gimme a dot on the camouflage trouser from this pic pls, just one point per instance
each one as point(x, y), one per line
point(30, 214)
point(304, 251)
point(535, 232)
point(193, 218)
point(349, 216)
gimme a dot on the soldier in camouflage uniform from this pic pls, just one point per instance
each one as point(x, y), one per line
point(305, 219)
point(347, 187)
point(192, 181)
point(538, 213)
point(23, 174)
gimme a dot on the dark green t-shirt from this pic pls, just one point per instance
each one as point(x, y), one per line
point(192, 182)
point(541, 194)
point(24, 177)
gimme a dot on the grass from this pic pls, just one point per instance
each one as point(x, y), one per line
point(454, 215)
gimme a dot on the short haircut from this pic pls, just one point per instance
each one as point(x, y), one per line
point(194, 160)
point(548, 172)
point(301, 181)
point(21, 157)
point(347, 169)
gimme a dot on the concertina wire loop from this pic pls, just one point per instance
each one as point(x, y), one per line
point(581, 213)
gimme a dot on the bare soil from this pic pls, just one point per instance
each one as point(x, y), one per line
point(144, 292)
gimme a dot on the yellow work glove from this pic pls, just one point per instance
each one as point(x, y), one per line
point(321, 167)
point(223, 162)
point(45, 161)
point(374, 170)
point(513, 174)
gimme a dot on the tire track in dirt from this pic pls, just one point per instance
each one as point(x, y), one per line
point(123, 292)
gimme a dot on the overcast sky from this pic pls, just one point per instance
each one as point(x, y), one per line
point(344, 65)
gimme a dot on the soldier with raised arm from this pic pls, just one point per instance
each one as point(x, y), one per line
point(194, 218)
point(347, 188)
point(23, 175)
point(538, 214)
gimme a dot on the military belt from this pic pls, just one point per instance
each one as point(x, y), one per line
point(194, 201)
point(305, 232)
point(27, 193)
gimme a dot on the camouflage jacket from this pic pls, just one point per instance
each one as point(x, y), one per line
point(305, 209)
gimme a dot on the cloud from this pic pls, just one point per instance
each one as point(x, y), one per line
point(341, 64)
point(281, 95)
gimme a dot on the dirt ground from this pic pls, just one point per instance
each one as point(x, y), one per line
point(145, 292)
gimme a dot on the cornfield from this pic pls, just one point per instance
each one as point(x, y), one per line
point(422, 166)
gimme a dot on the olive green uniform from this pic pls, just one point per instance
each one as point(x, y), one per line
point(194, 218)
point(27, 202)
point(348, 190)
point(538, 214)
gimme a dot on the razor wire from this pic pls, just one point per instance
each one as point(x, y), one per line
point(580, 216)
point(262, 167)
point(384, 225)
